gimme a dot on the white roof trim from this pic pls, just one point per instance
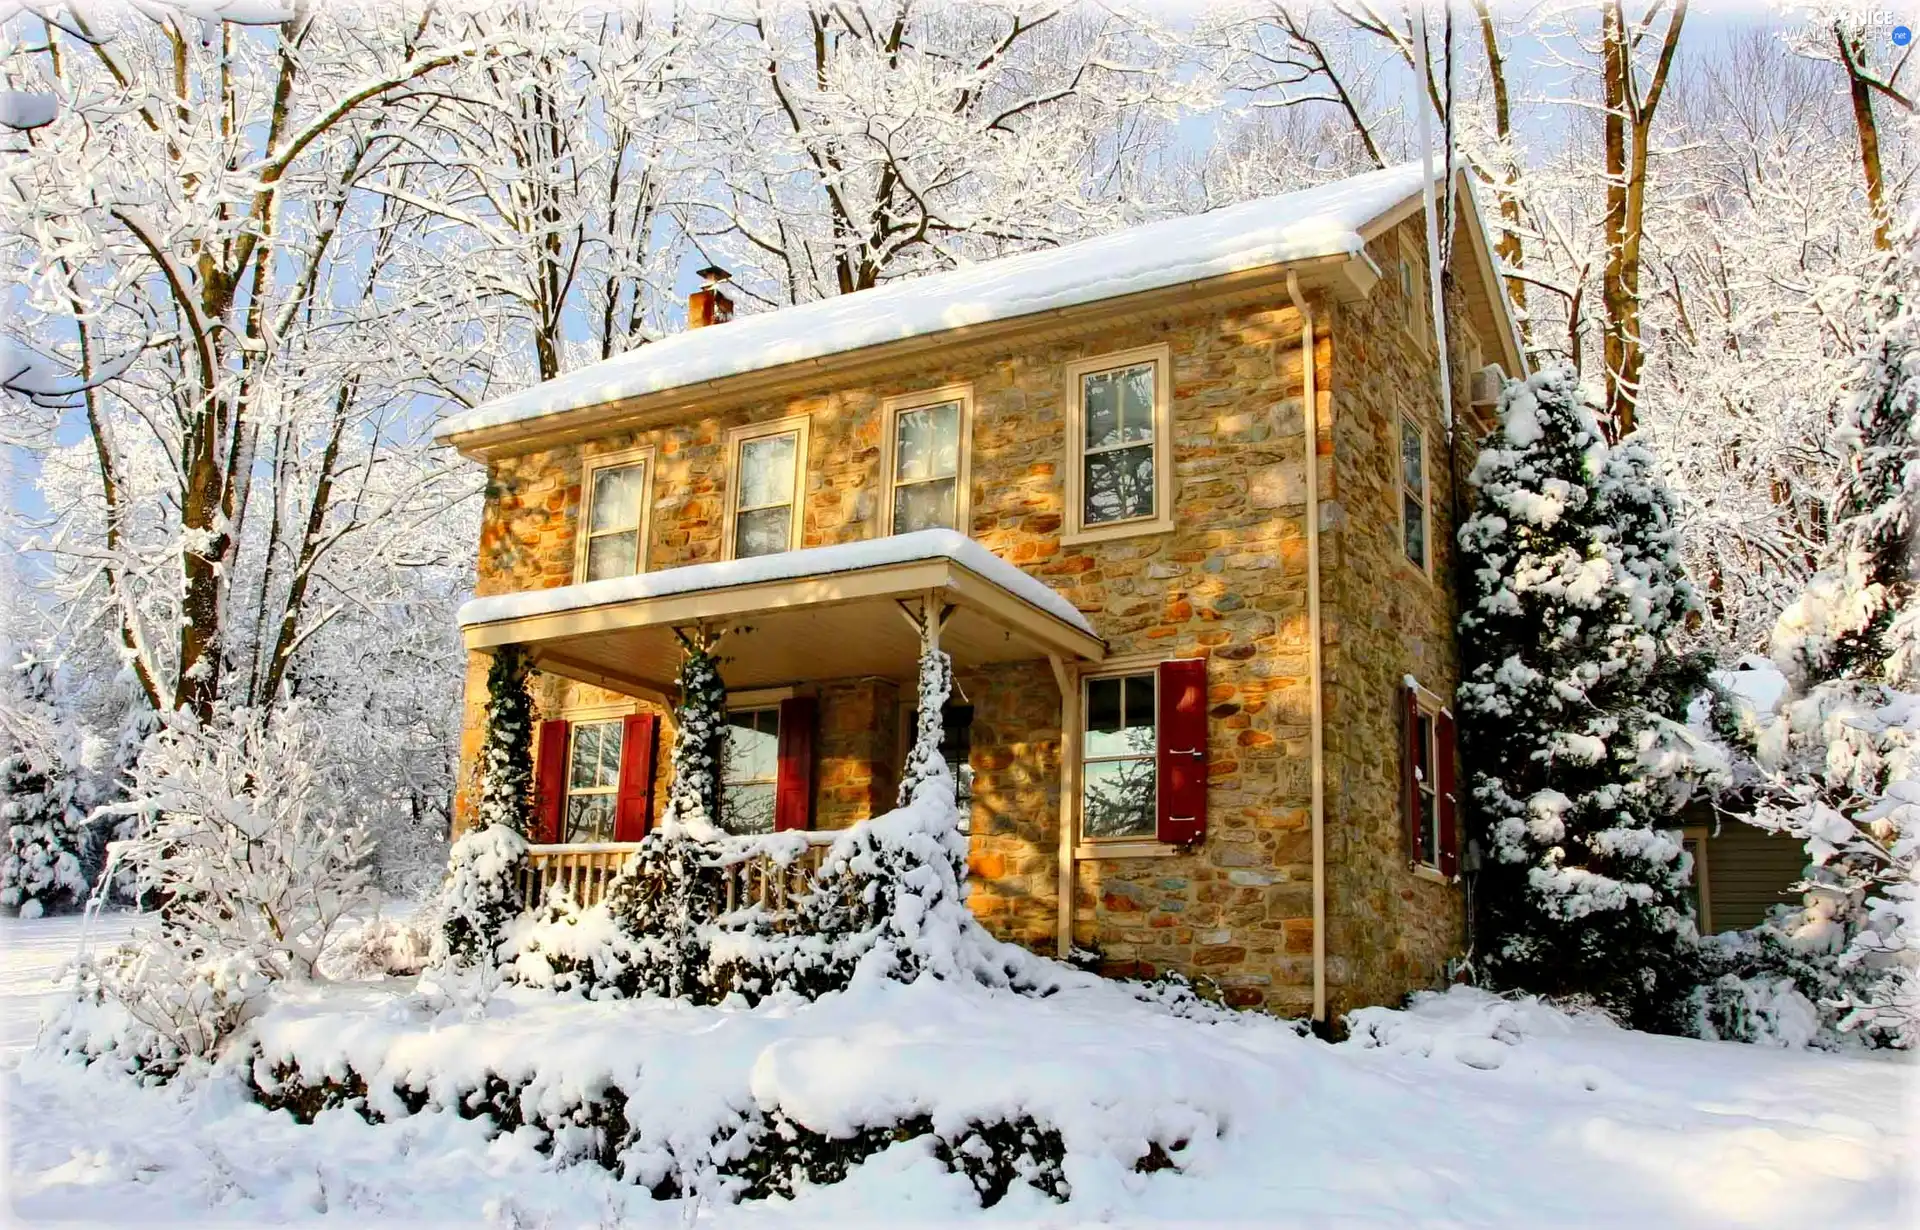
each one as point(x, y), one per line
point(786, 566)
point(1321, 221)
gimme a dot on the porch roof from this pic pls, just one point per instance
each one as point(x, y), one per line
point(819, 613)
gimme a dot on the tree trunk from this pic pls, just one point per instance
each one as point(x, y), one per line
point(1852, 56)
point(1508, 247)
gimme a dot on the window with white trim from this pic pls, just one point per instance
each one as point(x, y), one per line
point(1414, 492)
point(593, 780)
point(1413, 289)
point(1120, 429)
point(750, 770)
point(1119, 746)
point(613, 539)
point(767, 469)
point(925, 460)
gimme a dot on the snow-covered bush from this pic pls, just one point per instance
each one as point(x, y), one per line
point(481, 895)
point(1841, 752)
point(1573, 710)
point(43, 812)
point(381, 947)
point(249, 843)
point(506, 755)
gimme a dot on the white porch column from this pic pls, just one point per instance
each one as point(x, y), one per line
point(1069, 685)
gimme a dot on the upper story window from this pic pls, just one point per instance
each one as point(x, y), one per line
point(1413, 290)
point(615, 489)
point(924, 457)
point(1414, 492)
point(750, 771)
point(1120, 432)
point(767, 461)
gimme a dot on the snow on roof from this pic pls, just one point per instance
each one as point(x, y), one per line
point(786, 566)
point(1313, 222)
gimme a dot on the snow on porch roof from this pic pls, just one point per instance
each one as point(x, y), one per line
point(1314, 222)
point(785, 566)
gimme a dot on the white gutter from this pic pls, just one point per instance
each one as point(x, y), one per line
point(1310, 421)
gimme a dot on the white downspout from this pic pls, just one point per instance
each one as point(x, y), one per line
point(1316, 740)
point(1438, 300)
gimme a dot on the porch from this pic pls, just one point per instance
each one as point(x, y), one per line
point(840, 626)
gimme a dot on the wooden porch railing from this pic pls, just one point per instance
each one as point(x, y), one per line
point(585, 869)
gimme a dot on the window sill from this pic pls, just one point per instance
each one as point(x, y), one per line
point(1108, 533)
point(1144, 848)
point(1423, 872)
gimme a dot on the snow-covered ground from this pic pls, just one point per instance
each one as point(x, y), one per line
point(1464, 1112)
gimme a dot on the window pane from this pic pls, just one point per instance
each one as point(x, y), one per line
point(616, 497)
point(586, 756)
point(589, 818)
point(612, 555)
point(762, 533)
point(747, 808)
point(1110, 732)
point(927, 443)
point(1118, 406)
point(1429, 831)
point(1416, 531)
point(924, 506)
point(1119, 485)
point(1119, 799)
point(1410, 460)
point(766, 471)
point(753, 746)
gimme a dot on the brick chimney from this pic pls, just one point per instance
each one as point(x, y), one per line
point(709, 305)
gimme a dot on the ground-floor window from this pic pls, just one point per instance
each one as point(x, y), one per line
point(593, 780)
point(750, 771)
point(1427, 760)
point(1120, 777)
point(1426, 817)
point(956, 748)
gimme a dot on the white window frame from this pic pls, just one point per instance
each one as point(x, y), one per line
point(1161, 520)
point(1094, 847)
point(1401, 491)
point(890, 411)
point(583, 535)
point(1414, 291)
point(795, 425)
point(574, 728)
point(735, 709)
point(1429, 707)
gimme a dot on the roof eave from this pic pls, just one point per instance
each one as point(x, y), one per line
point(1347, 276)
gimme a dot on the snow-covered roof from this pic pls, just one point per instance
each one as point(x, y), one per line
point(1314, 222)
point(785, 566)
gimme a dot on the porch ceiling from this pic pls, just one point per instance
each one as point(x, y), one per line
point(828, 624)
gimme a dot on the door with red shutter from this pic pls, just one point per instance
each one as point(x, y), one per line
point(1443, 756)
point(633, 806)
point(1182, 759)
point(793, 791)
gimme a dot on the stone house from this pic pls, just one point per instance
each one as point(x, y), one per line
point(1179, 501)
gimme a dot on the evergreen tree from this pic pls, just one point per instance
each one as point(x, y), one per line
point(44, 817)
point(506, 759)
point(699, 742)
point(1842, 752)
point(1571, 711)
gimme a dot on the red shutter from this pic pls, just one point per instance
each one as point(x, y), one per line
point(793, 795)
point(633, 806)
point(1410, 754)
point(550, 781)
point(1443, 789)
point(1183, 750)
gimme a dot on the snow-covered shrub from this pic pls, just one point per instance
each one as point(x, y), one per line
point(43, 813)
point(481, 895)
point(155, 1006)
point(1841, 753)
point(248, 843)
point(1573, 710)
point(506, 755)
point(381, 947)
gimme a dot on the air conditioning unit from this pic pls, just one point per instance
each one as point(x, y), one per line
point(1483, 387)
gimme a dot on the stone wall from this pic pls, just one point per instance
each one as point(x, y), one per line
point(1391, 928)
point(1227, 584)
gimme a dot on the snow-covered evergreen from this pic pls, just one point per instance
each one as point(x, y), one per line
point(506, 757)
point(481, 894)
point(1572, 711)
point(42, 808)
point(924, 761)
point(1842, 750)
point(699, 743)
